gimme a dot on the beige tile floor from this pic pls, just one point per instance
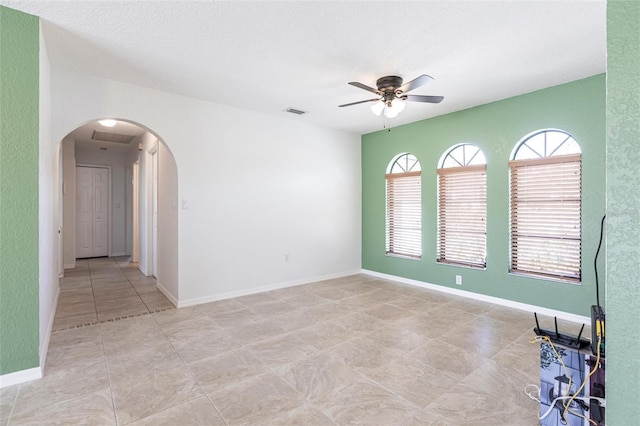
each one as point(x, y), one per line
point(105, 289)
point(355, 350)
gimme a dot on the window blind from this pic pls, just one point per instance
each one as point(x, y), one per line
point(462, 215)
point(546, 216)
point(404, 214)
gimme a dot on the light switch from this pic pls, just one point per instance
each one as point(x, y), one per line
point(185, 205)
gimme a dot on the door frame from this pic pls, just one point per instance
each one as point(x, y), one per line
point(135, 222)
point(154, 208)
point(62, 188)
point(108, 167)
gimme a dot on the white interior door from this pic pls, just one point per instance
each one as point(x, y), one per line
point(92, 212)
point(100, 212)
point(84, 212)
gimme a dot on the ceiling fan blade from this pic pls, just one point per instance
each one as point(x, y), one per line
point(359, 102)
point(422, 98)
point(415, 83)
point(365, 87)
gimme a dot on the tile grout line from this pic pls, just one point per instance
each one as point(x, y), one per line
point(13, 404)
point(93, 294)
point(134, 288)
point(113, 319)
point(323, 410)
point(206, 395)
point(106, 363)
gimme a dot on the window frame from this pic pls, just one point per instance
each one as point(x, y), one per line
point(474, 237)
point(402, 239)
point(543, 239)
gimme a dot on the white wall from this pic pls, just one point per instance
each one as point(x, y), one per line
point(167, 223)
point(68, 148)
point(167, 245)
point(257, 186)
point(118, 164)
point(49, 216)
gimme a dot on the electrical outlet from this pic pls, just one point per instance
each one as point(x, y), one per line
point(459, 279)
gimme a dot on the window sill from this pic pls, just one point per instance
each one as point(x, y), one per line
point(401, 256)
point(545, 278)
point(462, 265)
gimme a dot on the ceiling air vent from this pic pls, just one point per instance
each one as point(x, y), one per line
point(295, 111)
point(111, 137)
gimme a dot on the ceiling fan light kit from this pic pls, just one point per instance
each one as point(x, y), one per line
point(378, 107)
point(388, 109)
point(392, 94)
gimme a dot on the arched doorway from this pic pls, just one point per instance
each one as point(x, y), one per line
point(141, 186)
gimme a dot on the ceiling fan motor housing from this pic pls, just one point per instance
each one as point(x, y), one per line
point(389, 83)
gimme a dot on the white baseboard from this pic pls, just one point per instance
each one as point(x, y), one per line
point(262, 289)
point(166, 292)
point(483, 298)
point(69, 265)
point(143, 270)
point(20, 377)
point(45, 345)
point(118, 253)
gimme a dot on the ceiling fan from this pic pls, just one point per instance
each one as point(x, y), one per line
point(392, 94)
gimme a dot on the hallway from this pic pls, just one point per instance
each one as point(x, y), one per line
point(106, 289)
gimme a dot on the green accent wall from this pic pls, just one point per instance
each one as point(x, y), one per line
point(577, 108)
point(623, 213)
point(19, 76)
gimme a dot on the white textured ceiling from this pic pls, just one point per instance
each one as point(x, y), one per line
point(266, 56)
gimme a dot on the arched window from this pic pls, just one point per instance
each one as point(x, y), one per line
point(462, 207)
point(404, 207)
point(546, 196)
